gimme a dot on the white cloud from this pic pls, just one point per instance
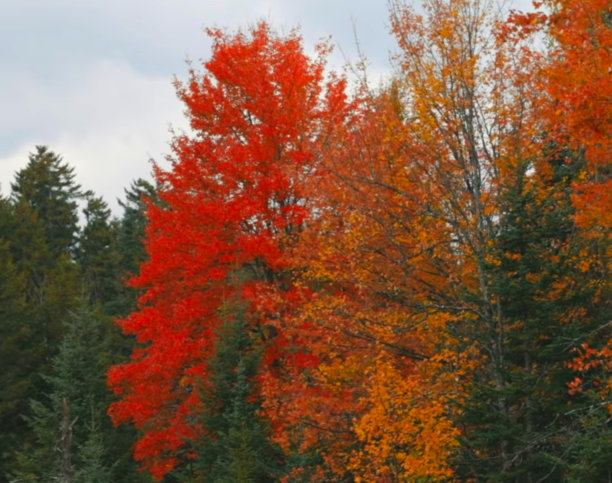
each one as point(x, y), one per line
point(107, 126)
point(93, 80)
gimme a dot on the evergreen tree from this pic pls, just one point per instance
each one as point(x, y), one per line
point(47, 186)
point(236, 447)
point(524, 424)
point(31, 252)
point(134, 222)
point(43, 235)
point(70, 424)
point(108, 250)
point(39, 262)
point(130, 240)
point(16, 351)
point(98, 256)
point(48, 266)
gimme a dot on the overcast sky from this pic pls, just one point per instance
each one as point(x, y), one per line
point(92, 79)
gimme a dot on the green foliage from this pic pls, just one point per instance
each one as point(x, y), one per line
point(42, 238)
point(31, 252)
point(38, 232)
point(16, 351)
point(525, 426)
point(96, 465)
point(59, 288)
point(98, 255)
point(134, 223)
point(47, 187)
point(78, 379)
point(589, 442)
point(131, 230)
point(236, 447)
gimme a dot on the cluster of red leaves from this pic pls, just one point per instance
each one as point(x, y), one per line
point(594, 365)
point(230, 202)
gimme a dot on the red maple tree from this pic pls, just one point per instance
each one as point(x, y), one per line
point(230, 202)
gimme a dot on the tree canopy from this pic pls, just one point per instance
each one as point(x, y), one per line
point(333, 281)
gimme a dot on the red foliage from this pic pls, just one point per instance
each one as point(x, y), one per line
point(230, 202)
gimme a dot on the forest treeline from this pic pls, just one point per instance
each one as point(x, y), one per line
point(64, 263)
point(333, 281)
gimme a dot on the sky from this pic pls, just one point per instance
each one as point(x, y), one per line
point(92, 79)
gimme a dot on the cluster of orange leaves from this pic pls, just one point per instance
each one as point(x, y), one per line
point(579, 83)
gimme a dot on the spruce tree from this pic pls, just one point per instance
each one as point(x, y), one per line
point(47, 186)
point(17, 352)
point(70, 422)
point(236, 446)
point(44, 198)
point(59, 288)
point(130, 240)
point(38, 249)
point(521, 411)
point(98, 255)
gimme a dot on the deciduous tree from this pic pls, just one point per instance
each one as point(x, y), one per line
point(230, 202)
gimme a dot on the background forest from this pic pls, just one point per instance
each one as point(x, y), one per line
point(333, 281)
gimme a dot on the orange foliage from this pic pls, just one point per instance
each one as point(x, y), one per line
point(577, 77)
point(405, 217)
